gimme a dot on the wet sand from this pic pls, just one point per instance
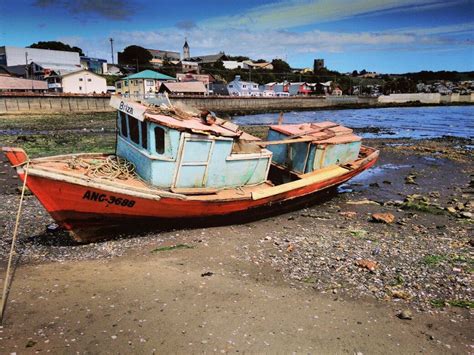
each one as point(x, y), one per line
point(290, 283)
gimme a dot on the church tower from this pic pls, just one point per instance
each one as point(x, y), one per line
point(186, 54)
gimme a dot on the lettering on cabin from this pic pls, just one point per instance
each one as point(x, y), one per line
point(109, 200)
point(125, 108)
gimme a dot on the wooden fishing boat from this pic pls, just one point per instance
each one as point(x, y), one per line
point(176, 167)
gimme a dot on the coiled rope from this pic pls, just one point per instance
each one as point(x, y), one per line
point(111, 168)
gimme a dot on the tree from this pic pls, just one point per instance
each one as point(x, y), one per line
point(355, 73)
point(344, 84)
point(168, 68)
point(57, 46)
point(111, 79)
point(135, 54)
point(280, 66)
point(237, 58)
point(219, 65)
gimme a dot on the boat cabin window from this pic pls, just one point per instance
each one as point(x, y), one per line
point(144, 134)
point(159, 140)
point(123, 124)
point(133, 126)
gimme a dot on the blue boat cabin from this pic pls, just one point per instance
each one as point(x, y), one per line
point(328, 144)
point(171, 152)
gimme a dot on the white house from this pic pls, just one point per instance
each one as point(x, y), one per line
point(187, 66)
point(238, 87)
point(233, 64)
point(78, 82)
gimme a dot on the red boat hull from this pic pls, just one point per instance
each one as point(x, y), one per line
point(93, 214)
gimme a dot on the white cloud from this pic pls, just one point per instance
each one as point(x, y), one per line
point(276, 43)
point(446, 29)
point(293, 13)
point(222, 34)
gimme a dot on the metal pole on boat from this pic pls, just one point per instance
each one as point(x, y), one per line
point(6, 281)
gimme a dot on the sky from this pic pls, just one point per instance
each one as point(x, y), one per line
point(386, 36)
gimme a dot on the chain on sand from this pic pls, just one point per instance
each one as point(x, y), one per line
point(111, 168)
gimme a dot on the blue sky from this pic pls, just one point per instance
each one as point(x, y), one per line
point(387, 36)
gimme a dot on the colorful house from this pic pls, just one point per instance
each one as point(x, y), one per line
point(238, 87)
point(299, 89)
point(142, 84)
point(337, 91)
point(283, 87)
point(184, 88)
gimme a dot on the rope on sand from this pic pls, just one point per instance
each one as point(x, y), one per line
point(6, 282)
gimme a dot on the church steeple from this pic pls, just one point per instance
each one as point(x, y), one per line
point(186, 53)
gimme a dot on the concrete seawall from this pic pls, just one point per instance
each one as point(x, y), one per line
point(53, 104)
point(58, 104)
point(262, 104)
point(231, 105)
point(425, 98)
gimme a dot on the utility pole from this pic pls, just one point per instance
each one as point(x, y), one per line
point(27, 69)
point(137, 64)
point(112, 48)
point(26, 64)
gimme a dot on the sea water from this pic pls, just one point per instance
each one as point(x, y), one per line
point(393, 122)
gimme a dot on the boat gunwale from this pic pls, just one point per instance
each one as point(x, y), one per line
point(156, 194)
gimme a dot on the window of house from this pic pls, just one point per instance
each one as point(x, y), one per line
point(89, 79)
point(231, 86)
point(125, 83)
point(80, 79)
point(149, 82)
point(144, 127)
point(123, 124)
point(80, 87)
point(140, 81)
point(119, 85)
point(244, 86)
point(159, 140)
point(133, 126)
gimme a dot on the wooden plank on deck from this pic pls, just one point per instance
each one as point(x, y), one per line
point(321, 175)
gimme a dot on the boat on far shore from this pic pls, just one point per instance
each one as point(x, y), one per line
point(176, 166)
